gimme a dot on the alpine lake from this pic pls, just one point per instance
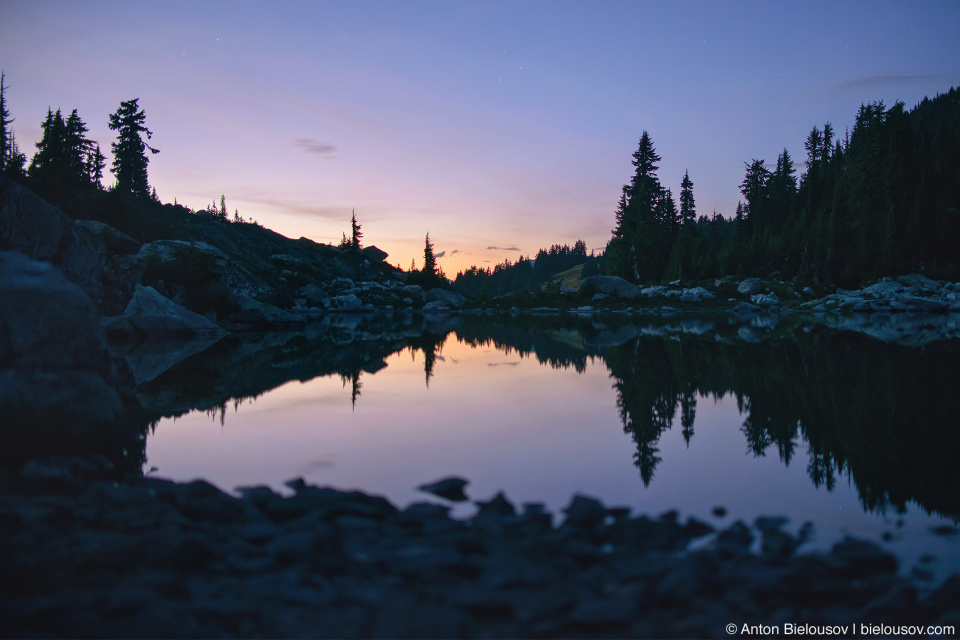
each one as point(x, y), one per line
point(838, 432)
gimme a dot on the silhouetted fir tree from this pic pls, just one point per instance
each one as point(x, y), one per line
point(646, 221)
point(129, 151)
point(49, 164)
point(355, 233)
point(14, 165)
point(755, 192)
point(78, 149)
point(96, 162)
point(688, 210)
point(429, 269)
point(6, 136)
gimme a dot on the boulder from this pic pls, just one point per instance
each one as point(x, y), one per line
point(696, 294)
point(32, 226)
point(436, 306)
point(315, 296)
point(374, 254)
point(765, 299)
point(657, 290)
point(155, 315)
point(347, 302)
point(182, 261)
point(449, 298)
point(255, 313)
point(116, 241)
point(609, 285)
point(921, 283)
point(750, 286)
point(56, 376)
point(46, 322)
point(450, 488)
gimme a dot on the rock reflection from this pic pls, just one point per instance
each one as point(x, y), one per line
point(881, 415)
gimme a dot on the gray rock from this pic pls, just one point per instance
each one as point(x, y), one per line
point(184, 261)
point(750, 286)
point(451, 299)
point(883, 289)
point(436, 307)
point(584, 511)
point(46, 322)
point(413, 291)
point(765, 299)
point(657, 290)
point(116, 241)
point(34, 227)
point(374, 254)
point(347, 302)
point(158, 316)
point(149, 359)
point(255, 313)
point(609, 285)
point(810, 293)
point(920, 282)
point(696, 294)
point(449, 488)
point(56, 375)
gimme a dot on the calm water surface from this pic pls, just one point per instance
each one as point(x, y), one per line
point(853, 435)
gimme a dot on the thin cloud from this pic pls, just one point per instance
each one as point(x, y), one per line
point(440, 255)
point(315, 147)
point(503, 249)
point(455, 252)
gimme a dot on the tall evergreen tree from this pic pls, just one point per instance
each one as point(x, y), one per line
point(688, 210)
point(755, 191)
point(6, 135)
point(77, 148)
point(429, 269)
point(15, 161)
point(129, 151)
point(96, 162)
point(646, 221)
point(355, 233)
point(50, 165)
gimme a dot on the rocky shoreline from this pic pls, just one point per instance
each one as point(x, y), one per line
point(86, 556)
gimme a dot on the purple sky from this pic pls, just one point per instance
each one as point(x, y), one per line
point(499, 128)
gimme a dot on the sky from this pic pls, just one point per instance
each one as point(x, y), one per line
point(497, 127)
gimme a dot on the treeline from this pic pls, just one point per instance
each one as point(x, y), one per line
point(66, 159)
point(527, 273)
point(67, 162)
point(881, 200)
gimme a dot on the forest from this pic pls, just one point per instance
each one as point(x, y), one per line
point(883, 199)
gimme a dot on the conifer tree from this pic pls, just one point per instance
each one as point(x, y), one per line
point(429, 269)
point(688, 210)
point(95, 165)
point(356, 234)
point(6, 136)
point(15, 161)
point(129, 151)
point(49, 165)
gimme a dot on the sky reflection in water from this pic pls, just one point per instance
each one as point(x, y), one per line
point(506, 422)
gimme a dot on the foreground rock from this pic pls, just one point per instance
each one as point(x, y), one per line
point(153, 558)
point(32, 226)
point(56, 376)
